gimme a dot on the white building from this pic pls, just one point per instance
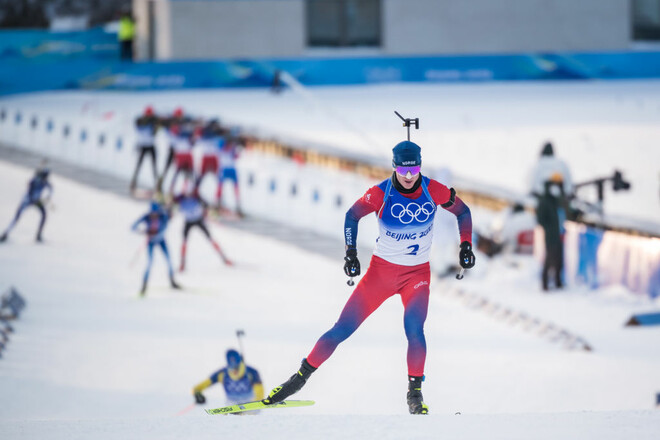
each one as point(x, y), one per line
point(211, 29)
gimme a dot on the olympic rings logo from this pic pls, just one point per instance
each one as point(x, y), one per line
point(406, 214)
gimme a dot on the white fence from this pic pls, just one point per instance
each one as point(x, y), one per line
point(274, 188)
point(278, 189)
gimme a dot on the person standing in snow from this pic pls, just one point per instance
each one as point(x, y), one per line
point(146, 126)
point(210, 142)
point(155, 224)
point(552, 186)
point(194, 210)
point(241, 382)
point(551, 214)
point(405, 205)
point(229, 152)
point(171, 125)
point(184, 136)
point(34, 197)
point(549, 167)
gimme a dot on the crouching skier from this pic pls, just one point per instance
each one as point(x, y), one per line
point(240, 381)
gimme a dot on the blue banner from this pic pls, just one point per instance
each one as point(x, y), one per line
point(41, 60)
point(588, 243)
point(42, 45)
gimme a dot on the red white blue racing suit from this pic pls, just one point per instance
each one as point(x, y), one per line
point(400, 262)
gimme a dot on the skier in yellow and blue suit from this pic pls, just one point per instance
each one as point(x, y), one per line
point(241, 382)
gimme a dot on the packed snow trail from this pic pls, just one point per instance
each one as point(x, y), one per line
point(89, 355)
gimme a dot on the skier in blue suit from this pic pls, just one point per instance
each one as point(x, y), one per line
point(34, 197)
point(155, 222)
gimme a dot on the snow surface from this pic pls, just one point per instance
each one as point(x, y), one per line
point(90, 359)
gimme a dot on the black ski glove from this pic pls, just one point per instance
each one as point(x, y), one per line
point(465, 256)
point(352, 264)
point(199, 398)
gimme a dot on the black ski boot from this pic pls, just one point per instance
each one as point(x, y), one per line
point(291, 386)
point(415, 399)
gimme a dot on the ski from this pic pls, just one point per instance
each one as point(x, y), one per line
point(253, 406)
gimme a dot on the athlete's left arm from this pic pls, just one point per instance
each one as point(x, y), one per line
point(447, 199)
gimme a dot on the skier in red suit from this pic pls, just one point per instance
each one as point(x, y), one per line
point(405, 205)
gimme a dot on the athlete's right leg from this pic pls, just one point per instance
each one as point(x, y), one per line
point(559, 275)
point(209, 165)
point(198, 180)
point(19, 211)
point(150, 258)
point(371, 291)
point(218, 192)
point(137, 168)
point(545, 274)
point(214, 243)
point(163, 247)
point(154, 167)
point(237, 196)
point(42, 210)
point(188, 177)
point(177, 170)
point(369, 294)
point(186, 231)
point(168, 162)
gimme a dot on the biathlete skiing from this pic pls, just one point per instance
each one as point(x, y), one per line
point(155, 224)
point(209, 142)
point(171, 125)
point(184, 136)
point(146, 127)
point(229, 152)
point(194, 210)
point(405, 205)
point(34, 197)
point(240, 381)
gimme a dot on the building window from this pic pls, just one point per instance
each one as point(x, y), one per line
point(343, 23)
point(646, 20)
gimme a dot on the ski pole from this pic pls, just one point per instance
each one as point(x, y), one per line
point(137, 254)
point(459, 276)
point(185, 410)
point(239, 334)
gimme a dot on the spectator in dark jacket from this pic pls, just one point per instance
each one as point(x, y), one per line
point(551, 214)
